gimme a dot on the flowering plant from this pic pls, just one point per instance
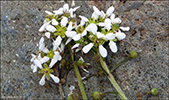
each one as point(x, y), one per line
point(61, 27)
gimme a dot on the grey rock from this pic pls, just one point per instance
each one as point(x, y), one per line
point(148, 20)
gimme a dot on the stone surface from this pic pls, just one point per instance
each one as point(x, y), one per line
point(148, 20)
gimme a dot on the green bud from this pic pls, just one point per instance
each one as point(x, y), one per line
point(96, 95)
point(133, 54)
point(154, 91)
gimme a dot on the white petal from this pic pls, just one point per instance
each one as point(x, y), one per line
point(83, 18)
point(125, 28)
point(41, 41)
point(102, 14)
point(64, 21)
point(65, 7)
point(35, 69)
point(42, 81)
point(82, 22)
point(58, 57)
point(99, 35)
point(44, 59)
point(50, 28)
point(45, 50)
point(76, 46)
point(38, 63)
point(102, 51)
point(96, 10)
point(113, 46)
point(77, 37)
point(84, 33)
point(69, 28)
point(55, 78)
point(33, 57)
point(116, 20)
point(101, 24)
point(109, 36)
point(120, 35)
point(48, 12)
point(42, 28)
point(47, 34)
point(68, 40)
point(57, 42)
point(112, 16)
point(59, 11)
point(70, 33)
point(53, 61)
point(54, 22)
point(87, 48)
point(95, 15)
point(74, 9)
point(71, 12)
point(110, 10)
point(92, 28)
point(107, 24)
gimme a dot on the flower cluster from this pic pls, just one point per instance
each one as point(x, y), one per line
point(61, 27)
point(55, 26)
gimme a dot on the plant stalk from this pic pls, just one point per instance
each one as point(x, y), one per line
point(119, 64)
point(112, 79)
point(80, 82)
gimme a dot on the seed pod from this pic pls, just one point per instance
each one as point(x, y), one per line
point(133, 54)
point(154, 91)
point(96, 95)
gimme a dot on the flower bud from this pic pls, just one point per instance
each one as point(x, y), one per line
point(139, 95)
point(96, 95)
point(133, 54)
point(63, 81)
point(154, 91)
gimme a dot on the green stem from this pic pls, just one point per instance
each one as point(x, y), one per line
point(112, 79)
point(81, 86)
point(120, 63)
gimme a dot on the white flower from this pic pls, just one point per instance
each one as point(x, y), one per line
point(55, 58)
point(87, 48)
point(115, 20)
point(65, 9)
point(102, 51)
point(42, 45)
point(110, 10)
point(83, 20)
point(50, 28)
point(55, 78)
point(57, 42)
point(38, 61)
point(113, 46)
point(125, 28)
